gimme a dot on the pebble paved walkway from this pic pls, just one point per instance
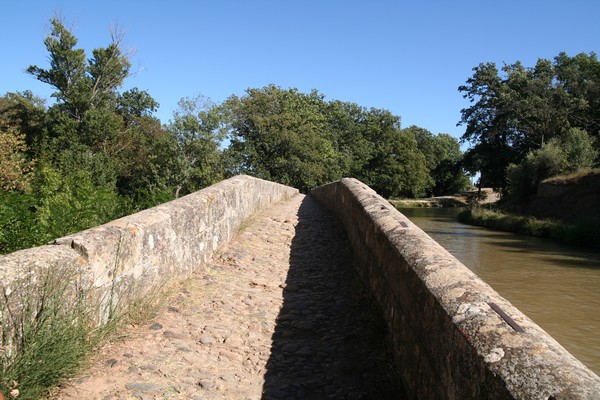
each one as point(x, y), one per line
point(280, 314)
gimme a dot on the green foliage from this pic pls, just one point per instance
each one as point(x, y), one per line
point(519, 110)
point(443, 159)
point(578, 150)
point(99, 128)
point(71, 203)
point(395, 167)
point(303, 141)
point(18, 225)
point(57, 205)
point(47, 331)
point(99, 153)
point(281, 135)
point(427, 203)
point(197, 129)
point(524, 178)
point(15, 168)
point(24, 113)
point(346, 125)
point(570, 152)
point(136, 103)
point(81, 84)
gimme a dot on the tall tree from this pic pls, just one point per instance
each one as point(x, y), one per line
point(346, 128)
point(579, 77)
point(518, 110)
point(25, 113)
point(489, 125)
point(443, 159)
point(198, 129)
point(281, 135)
point(80, 84)
point(395, 167)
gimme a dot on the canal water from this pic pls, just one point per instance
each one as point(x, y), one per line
point(557, 286)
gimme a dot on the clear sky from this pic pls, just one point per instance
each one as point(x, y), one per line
point(405, 56)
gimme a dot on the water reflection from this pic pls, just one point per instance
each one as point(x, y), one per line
point(557, 286)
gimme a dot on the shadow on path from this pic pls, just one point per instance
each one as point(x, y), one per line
point(330, 341)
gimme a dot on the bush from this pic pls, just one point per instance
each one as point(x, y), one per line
point(48, 328)
point(18, 227)
point(564, 154)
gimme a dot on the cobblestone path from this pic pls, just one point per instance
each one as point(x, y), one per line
point(280, 314)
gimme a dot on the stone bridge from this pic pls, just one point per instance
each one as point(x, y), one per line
point(277, 295)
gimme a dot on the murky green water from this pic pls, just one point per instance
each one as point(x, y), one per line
point(557, 286)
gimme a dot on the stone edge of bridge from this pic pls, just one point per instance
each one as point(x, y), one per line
point(129, 258)
point(454, 337)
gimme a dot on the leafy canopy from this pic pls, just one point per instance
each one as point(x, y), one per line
point(518, 110)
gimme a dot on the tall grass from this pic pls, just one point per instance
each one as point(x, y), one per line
point(47, 329)
point(50, 323)
point(582, 233)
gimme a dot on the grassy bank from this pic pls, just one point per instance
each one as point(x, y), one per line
point(427, 203)
point(581, 233)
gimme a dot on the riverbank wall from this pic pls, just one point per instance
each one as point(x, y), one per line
point(453, 336)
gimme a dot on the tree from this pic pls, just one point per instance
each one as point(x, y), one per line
point(112, 134)
point(346, 128)
point(443, 159)
point(25, 113)
point(579, 77)
point(395, 167)
point(84, 116)
point(18, 112)
point(519, 110)
point(68, 203)
point(146, 154)
point(98, 153)
point(281, 135)
point(197, 128)
point(82, 85)
point(136, 103)
point(488, 125)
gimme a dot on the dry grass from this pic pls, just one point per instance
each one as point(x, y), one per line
point(572, 178)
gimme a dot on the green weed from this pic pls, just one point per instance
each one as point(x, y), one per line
point(48, 328)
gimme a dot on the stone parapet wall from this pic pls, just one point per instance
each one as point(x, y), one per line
point(454, 337)
point(128, 258)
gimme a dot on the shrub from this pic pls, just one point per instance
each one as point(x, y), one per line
point(47, 327)
point(564, 154)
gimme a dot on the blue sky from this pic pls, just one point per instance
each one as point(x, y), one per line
point(405, 56)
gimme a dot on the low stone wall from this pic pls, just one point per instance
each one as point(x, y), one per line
point(454, 337)
point(126, 259)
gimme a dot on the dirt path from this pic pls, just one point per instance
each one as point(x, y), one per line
point(279, 315)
